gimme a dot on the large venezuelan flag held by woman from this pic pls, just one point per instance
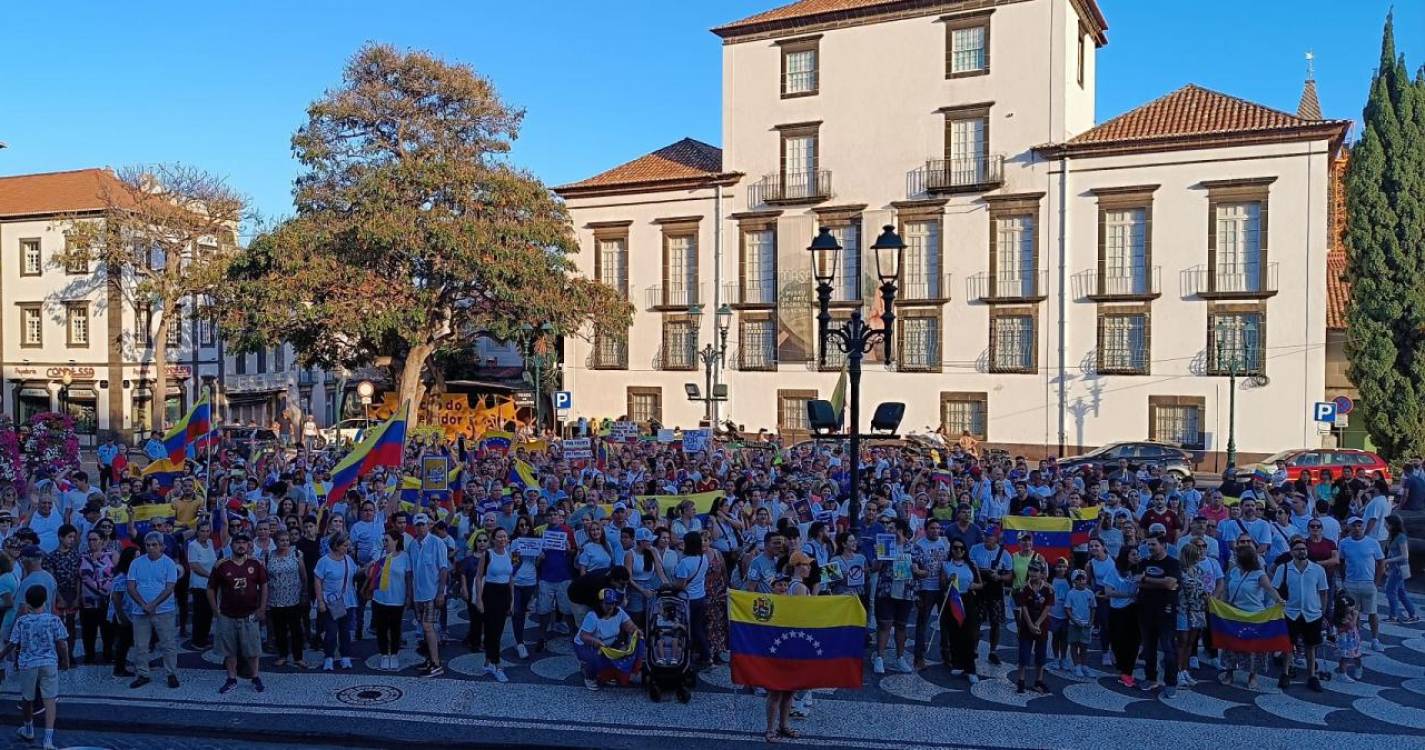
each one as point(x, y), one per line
point(796, 642)
point(1248, 632)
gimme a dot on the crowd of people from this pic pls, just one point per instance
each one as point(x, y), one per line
point(256, 557)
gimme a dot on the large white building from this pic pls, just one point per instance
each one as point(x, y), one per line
point(1065, 285)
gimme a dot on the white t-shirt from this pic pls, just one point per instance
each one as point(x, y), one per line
point(695, 569)
point(205, 556)
point(1378, 508)
point(605, 629)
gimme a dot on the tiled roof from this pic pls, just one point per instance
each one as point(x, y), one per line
point(56, 192)
point(1193, 111)
point(1338, 291)
point(816, 10)
point(687, 159)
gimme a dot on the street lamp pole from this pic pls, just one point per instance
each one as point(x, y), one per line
point(1232, 361)
point(856, 337)
point(713, 358)
point(532, 336)
point(65, 381)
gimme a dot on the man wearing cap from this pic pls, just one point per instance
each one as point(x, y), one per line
point(1365, 571)
point(430, 573)
point(237, 591)
point(365, 538)
point(152, 579)
point(30, 573)
point(1159, 576)
point(997, 569)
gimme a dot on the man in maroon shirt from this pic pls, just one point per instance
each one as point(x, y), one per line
point(237, 591)
point(1159, 512)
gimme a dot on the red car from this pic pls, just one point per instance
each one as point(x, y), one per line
point(1313, 461)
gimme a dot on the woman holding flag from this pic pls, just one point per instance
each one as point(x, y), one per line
point(1250, 591)
point(959, 630)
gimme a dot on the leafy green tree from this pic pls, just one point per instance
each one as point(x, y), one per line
point(1385, 236)
point(413, 233)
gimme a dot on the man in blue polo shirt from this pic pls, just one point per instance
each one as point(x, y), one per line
point(430, 570)
point(556, 570)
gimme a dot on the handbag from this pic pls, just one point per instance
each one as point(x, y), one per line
point(337, 607)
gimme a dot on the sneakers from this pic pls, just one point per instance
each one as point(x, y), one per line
point(974, 679)
point(1376, 645)
point(1107, 659)
point(1185, 680)
point(1079, 671)
point(1169, 691)
point(994, 658)
point(500, 675)
point(327, 665)
point(956, 672)
point(258, 686)
point(229, 685)
point(1284, 681)
point(878, 665)
point(1193, 663)
point(903, 664)
point(49, 745)
point(173, 681)
point(1346, 677)
point(139, 682)
point(591, 684)
point(432, 670)
point(1314, 683)
point(345, 663)
point(1126, 680)
point(521, 651)
point(25, 733)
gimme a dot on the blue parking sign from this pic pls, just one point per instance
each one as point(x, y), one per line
point(563, 400)
point(1324, 411)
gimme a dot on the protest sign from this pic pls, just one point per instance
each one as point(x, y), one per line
point(555, 540)
point(886, 547)
point(697, 440)
point(578, 449)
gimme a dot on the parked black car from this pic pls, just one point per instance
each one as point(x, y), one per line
point(1170, 458)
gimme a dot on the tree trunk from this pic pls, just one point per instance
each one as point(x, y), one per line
point(408, 381)
point(158, 401)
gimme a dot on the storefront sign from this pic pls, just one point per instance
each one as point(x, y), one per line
point(77, 373)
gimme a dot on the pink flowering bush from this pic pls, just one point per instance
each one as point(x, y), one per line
point(51, 445)
point(12, 468)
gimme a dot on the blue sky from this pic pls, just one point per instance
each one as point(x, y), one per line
point(222, 85)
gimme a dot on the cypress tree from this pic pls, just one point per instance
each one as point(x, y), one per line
point(1385, 237)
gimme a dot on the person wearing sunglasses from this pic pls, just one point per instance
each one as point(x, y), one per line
point(960, 626)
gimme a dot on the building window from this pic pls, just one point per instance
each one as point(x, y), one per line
point(77, 323)
point(74, 263)
point(262, 361)
point(967, 46)
point(680, 270)
point(31, 262)
point(847, 285)
point(645, 404)
point(175, 329)
point(800, 158)
point(1125, 252)
point(206, 330)
point(757, 344)
point(1235, 342)
point(1015, 257)
point(1080, 56)
point(610, 351)
point(279, 358)
point(32, 332)
point(967, 148)
point(1012, 343)
point(143, 324)
point(759, 267)
point(920, 268)
point(800, 67)
point(1238, 259)
point(1176, 420)
point(1123, 343)
point(792, 410)
point(680, 343)
point(919, 344)
point(965, 412)
point(240, 364)
point(613, 263)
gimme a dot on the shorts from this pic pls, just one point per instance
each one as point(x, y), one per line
point(896, 611)
point(1038, 646)
point(235, 638)
point(553, 596)
point(1059, 626)
point(45, 678)
point(1308, 632)
point(426, 612)
point(1080, 633)
point(1364, 592)
point(992, 608)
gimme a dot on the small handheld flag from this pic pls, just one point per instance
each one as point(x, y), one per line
point(197, 423)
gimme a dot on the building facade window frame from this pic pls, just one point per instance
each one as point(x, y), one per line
point(1109, 360)
point(1245, 311)
point(1109, 281)
point(32, 321)
point(757, 280)
point(804, 81)
point(1016, 288)
point(1160, 409)
point(792, 409)
point(1028, 362)
point(933, 340)
point(616, 233)
point(757, 341)
point(799, 172)
point(962, 60)
point(928, 284)
point(32, 258)
point(77, 325)
point(143, 324)
point(1251, 283)
point(977, 406)
point(637, 411)
point(679, 343)
point(680, 236)
point(848, 227)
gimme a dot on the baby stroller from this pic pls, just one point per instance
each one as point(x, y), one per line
point(668, 635)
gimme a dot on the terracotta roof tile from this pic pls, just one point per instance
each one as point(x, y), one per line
point(687, 159)
point(810, 10)
point(55, 192)
point(1338, 291)
point(1192, 111)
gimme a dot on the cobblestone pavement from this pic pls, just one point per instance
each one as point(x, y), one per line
point(545, 703)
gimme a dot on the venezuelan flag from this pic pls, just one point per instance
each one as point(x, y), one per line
point(1248, 632)
point(383, 445)
point(194, 425)
point(522, 476)
point(497, 442)
point(702, 501)
point(166, 471)
point(141, 521)
point(796, 642)
point(1054, 537)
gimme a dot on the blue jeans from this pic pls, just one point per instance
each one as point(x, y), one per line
point(1395, 592)
point(334, 632)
